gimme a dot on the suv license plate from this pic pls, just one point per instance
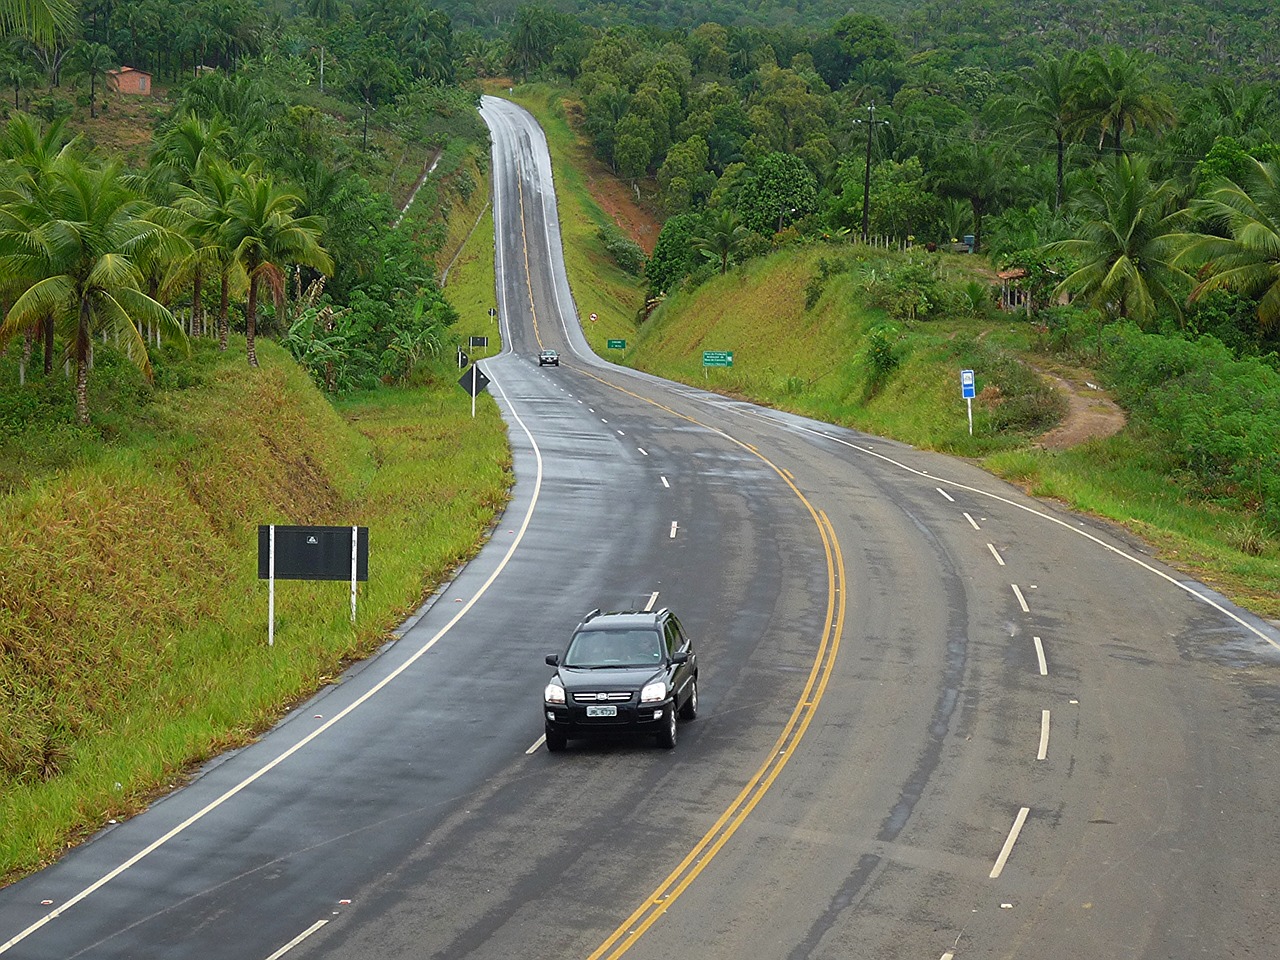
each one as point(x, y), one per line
point(602, 711)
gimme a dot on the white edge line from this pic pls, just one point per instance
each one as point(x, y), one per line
point(1008, 844)
point(271, 765)
point(972, 522)
point(536, 744)
point(1044, 735)
point(1021, 599)
point(1184, 587)
point(950, 498)
point(1044, 667)
point(995, 553)
point(297, 940)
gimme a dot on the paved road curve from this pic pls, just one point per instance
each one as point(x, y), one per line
point(938, 718)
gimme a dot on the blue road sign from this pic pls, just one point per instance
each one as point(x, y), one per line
point(967, 385)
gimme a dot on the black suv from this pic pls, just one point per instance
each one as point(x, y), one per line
point(622, 672)
point(548, 357)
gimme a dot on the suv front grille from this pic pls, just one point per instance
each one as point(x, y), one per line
point(613, 696)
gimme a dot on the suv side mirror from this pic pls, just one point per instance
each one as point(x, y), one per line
point(680, 657)
point(553, 660)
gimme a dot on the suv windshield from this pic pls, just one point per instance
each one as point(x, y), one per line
point(614, 648)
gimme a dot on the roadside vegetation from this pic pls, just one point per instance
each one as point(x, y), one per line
point(875, 339)
point(214, 316)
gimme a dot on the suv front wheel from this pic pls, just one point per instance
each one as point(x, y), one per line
point(667, 735)
point(690, 709)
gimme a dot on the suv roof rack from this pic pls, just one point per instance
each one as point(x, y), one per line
point(594, 613)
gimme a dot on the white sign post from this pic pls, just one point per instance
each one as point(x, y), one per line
point(355, 537)
point(271, 588)
point(967, 391)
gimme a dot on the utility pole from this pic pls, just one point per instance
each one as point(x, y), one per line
point(871, 122)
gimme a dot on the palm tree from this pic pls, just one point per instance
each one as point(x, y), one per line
point(1050, 103)
point(265, 238)
point(1248, 260)
point(1120, 96)
point(38, 20)
point(721, 238)
point(207, 204)
point(75, 244)
point(1128, 245)
point(17, 74)
point(976, 172)
point(33, 153)
point(93, 60)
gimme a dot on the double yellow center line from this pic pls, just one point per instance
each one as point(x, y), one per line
point(648, 913)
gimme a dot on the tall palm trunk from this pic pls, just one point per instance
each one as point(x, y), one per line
point(251, 317)
point(82, 364)
point(222, 311)
point(1057, 202)
point(48, 345)
point(197, 308)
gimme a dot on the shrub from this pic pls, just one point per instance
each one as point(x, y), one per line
point(625, 251)
point(1220, 416)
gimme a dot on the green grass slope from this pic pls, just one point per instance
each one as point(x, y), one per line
point(133, 628)
point(807, 326)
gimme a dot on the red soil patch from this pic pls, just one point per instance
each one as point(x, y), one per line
point(614, 196)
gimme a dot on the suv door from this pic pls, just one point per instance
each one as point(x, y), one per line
point(682, 673)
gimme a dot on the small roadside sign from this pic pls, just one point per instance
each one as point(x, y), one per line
point(967, 388)
point(479, 341)
point(473, 381)
point(717, 358)
point(595, 317)
point(617, 344)
point(463, 359)
point(493, 312)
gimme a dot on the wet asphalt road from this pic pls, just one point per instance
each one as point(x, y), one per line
point(937, 717)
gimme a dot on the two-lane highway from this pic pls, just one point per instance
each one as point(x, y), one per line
point(938, 718)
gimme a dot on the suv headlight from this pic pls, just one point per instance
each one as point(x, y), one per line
point(654, 692)
point(554, 693)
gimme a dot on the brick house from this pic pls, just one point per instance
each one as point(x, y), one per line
point(130, 80)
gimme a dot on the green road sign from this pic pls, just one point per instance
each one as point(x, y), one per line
point(617, 344)
point(717, 358)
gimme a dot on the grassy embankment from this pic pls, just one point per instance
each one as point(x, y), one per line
point(132, 623)
point(815, 362)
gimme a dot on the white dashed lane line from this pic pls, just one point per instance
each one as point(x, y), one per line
point(536, 744)
point(1044, 735)
point(1008, 844)
point(995, 553)
point(674, 527)
point(643, 451)
point(665, 484)
point(1022, 601)
point(950, 499)
point(1044, 667)
point(653, 598)
point(973, 523)
point(297, 940)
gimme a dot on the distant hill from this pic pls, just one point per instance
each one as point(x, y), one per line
point(1238, 38)
point(491, 15)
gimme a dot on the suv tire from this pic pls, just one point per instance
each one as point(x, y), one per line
point(556, 741)
point(667, 735)
point(690, 708)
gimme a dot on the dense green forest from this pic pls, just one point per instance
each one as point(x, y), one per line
point(264, 201)
point(1121, 160)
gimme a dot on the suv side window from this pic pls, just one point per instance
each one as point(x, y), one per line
point(674, 639)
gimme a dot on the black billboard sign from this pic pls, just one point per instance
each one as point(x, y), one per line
point(313, 553)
